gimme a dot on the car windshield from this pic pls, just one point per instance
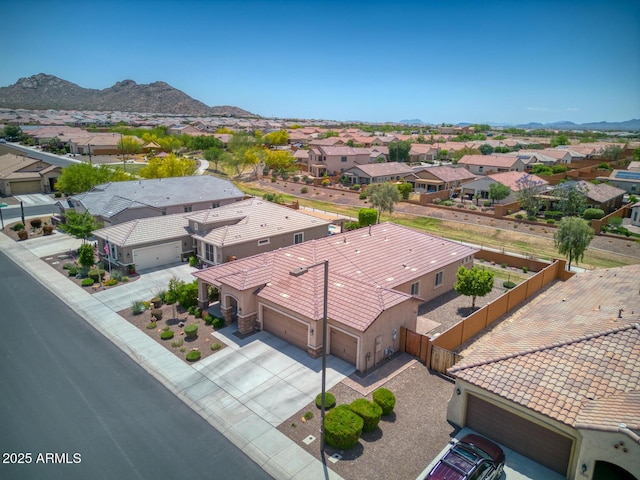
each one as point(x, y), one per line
point(460, 459)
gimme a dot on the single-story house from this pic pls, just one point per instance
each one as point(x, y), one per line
point(98, 144)
point(559, 380)
point(629, 180)
point(370, 295)
point(184, 130)
point(485, 164)
point(21, 175)
point(214, 236)
point(422, 152)
point(481, 185)
point(377, 173)
point(438, 178)
point(118, 202)
point(601, 195)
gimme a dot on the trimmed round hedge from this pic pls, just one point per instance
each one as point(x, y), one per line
point(329, 400)
point(193, 355)
point(191, 330)
point(166, 335)
point(342, 427)
point(386, 399)
point(87, 282)
point(369, 411)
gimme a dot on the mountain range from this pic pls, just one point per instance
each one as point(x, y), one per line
point(626, 126)
point(44, 92)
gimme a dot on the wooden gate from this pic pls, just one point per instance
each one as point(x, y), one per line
point(442, 360)
point(415, 344)
point(412, 343)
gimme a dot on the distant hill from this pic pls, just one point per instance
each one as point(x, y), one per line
point(44, 92)
point(627, 126)
point(414, 121)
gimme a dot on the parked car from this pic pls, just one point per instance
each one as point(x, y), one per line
point(471, 458)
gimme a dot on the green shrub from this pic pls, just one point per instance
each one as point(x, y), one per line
point(473, 207)
point(369, 411)
point(191, 330)
point(593, 214)
point(191, 310)
point(177, 343)
point(348, 226)
point(166, 335)
point(553, 214)
point(367, 216)
point(111, 282)
point(117, 275)
point(208, 319)
point(193, 261)
point(67, 266)
point(125, 278)
point(193, 356)
point(138, 307)
point(508, 284)
point(36, 223)
point(487, 203)
point(198, 313)
point(519, 216)
point(152, 325)
point(356, 187)
point(447, 203)
point(73, 271)
point(82, 272)
point(87, 282)
point(17, 227)
point(329, 400)
point(503, 265)
point(296, 178)
point(157, 313)
point(362, 196)
point(96, 274)
point(386, 399)
point(23, 234)
point(304, 190)
point(532, 218)
point(525, 269)
point(342, 427)
point(274, 179)
point(551, 221)
point(47, 229)
point(57, 194)
point(216, 346)
point(460, 205)
point(218, 323)
point(326, 182)
point(308, 415)
point(166, 328)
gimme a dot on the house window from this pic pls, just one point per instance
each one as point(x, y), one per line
point(264, 241)
point(188, 208)
point(439, 277)
point(209, 252)
point(195, 227)
point(480, 168)
point(215, 205)
point(343, 159)
point(415, 289)
point(298, 238)
point(164, 212)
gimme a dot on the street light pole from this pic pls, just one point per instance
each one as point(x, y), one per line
point(325, 303)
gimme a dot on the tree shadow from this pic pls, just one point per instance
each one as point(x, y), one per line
point(466, 311)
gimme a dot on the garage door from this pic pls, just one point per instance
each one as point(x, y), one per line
point(343, 346)
point(284, 327)
point(517, 433)
point(156, 256)
point(19, 188)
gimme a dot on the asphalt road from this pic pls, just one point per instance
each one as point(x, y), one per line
point(66, 390)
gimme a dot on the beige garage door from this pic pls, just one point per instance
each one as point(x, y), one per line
point(343, 346)
point(156, 256)
point(517, 433)
point(20, 188)
point(284, 327)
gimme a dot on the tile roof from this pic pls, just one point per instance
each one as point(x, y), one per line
point(448, 174)
point(253, 219)
point(361, 278)
point(576, 341)
point(600, 192)
point(146, 230)
point(158, 193)
point(505, 161)
point(510, 179)
point(383, 169)
point(619, 412)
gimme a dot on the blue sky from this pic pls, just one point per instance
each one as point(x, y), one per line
point(438, 61)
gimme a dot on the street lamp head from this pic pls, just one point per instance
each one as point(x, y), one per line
point(297, 272)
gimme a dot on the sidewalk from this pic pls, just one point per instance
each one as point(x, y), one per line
point(244, 391)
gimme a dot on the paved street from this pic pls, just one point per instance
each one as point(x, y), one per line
point(67, 389)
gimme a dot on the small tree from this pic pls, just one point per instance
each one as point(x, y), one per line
point(405, 189)
point(528, 190)
point(80, 225)
point(86, 256)
point(486, 149)
point(498, 191)
point(572, 238)
point(474, 282)
point(384, 196)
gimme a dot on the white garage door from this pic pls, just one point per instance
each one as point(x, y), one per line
point(156, 256)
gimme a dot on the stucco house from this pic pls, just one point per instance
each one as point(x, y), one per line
point(336, 159)
point(214, 236)
point(118, 202)
point(486, 164)
point(438, 178)
point(21, 175)
point(629, 180)
point(601, 195)
point(370, 295)
point(481, 186)
point(377, 173)
point(559, 380)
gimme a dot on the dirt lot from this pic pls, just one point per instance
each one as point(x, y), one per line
point(405, 442)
